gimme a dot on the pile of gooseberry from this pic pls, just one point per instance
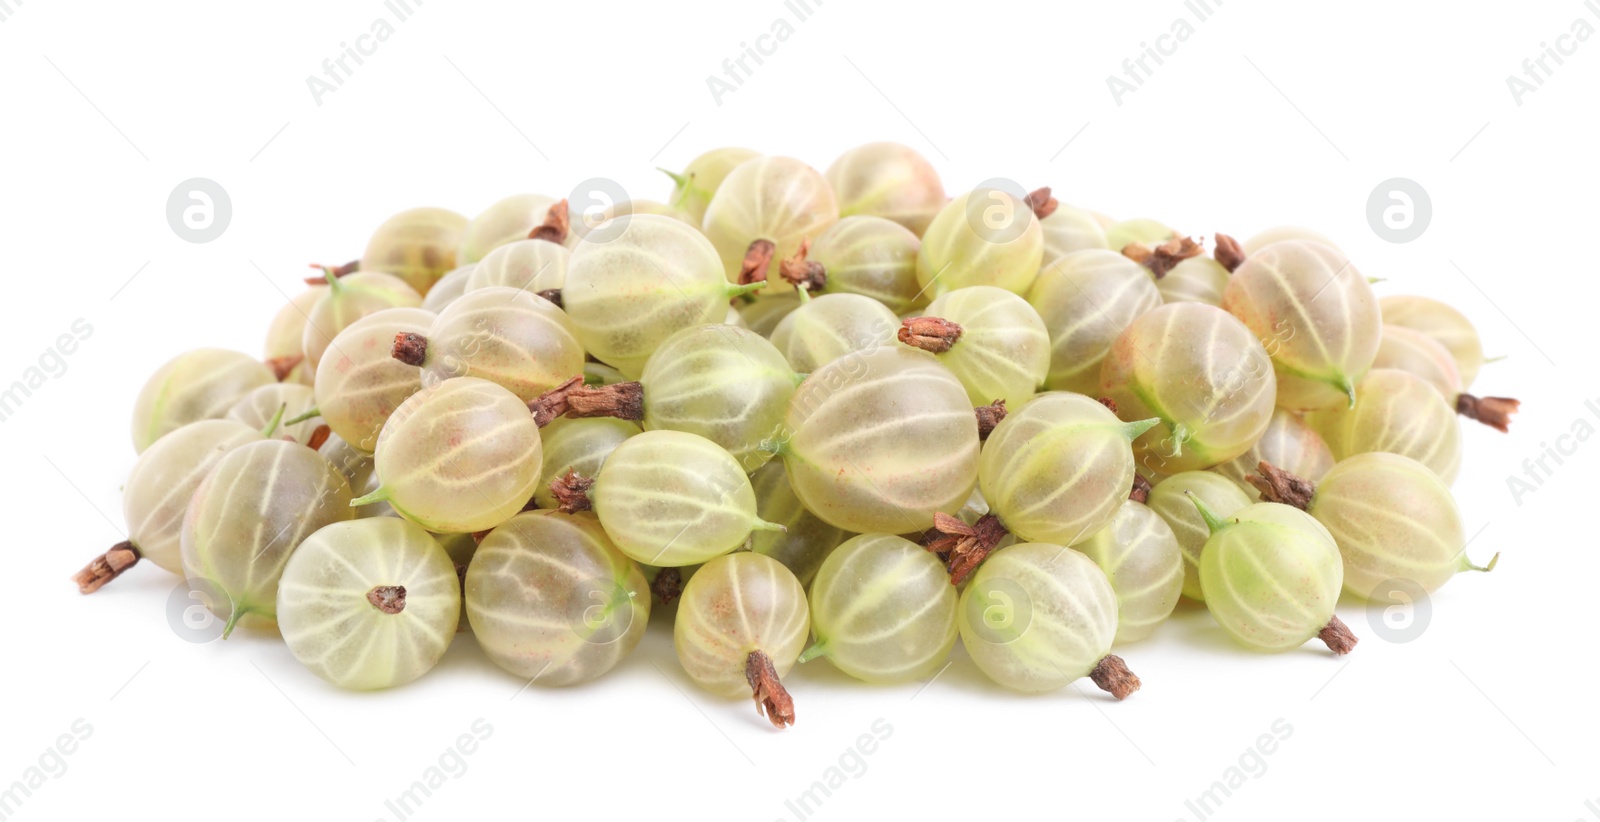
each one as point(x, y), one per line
point(808, 415)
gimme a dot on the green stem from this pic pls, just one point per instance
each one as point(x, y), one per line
point(1213, 522)
point(1133, 429)
point(1466, 564)
point(233, 620)
point(1344, 384)
point(272, 425)
point(327, 274)
point(763, 525)
point(380, 495)
point(312, 414)
point(741, 290)
point(818, 648)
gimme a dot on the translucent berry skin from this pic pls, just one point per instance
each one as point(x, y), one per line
point(1398, 413)
point(196, 385)
point(806, 539)
point(349, 298)
point(360, 470)
point(1317, 316)
point(733, 606)
point(765, 314)
point(286, 334)
point(1272, 576)
point(1086, 299)
point(1142, 561)
point(1392, 518)
point(1004, 349)
point(887, 180)
point(553, 601)
point(580, 445)
point(417, 245)
point(1070, 229)
point(246, 517)
point(1036, 616)
point(1448, 326)
point(459, 457)
point(670, 499)
point(1288, 443)
point(1170, 500)
point(332, 626)
point(158, 489)
point(257, 409)
point(506, 221)
point(883, 610)
point(993, 240)
point(360, 383)
point(1203, 373)
point(873, 257)
point(584, 223)
point(1284, 233)
point(1195, 280)
point(656, 278)
point(1137, 230)
point(828, 327)
point(1409, 350)
point(1057, 469)
point(779, 199)
point(512, 338)
point(880, 440)
point(698, 182)
point(526, 265)
point(726, 384)
point(448, 289)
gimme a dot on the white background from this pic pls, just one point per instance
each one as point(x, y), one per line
point(1270, 113)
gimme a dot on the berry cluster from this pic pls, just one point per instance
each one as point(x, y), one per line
point(819, 415)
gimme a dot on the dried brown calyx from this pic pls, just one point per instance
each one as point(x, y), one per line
point(106, 567)
point(772, 699)
point(281, 367)
point(572, 492)
point(1278, 485)
point(756, 260)
point(1494, 412)
point(553, 295)
point(319, 437)
point(929, 334)
point(1140, 492)
point(1338, 637)
point(802, 273)
point(1228, 253)
point(390, 599)
point(334, 271)
point(963, 547)
point(667, 586)
point(623, 400)
point(1113, 677)
point(557, 222)
point(1109, 403)
point(410, 348)
point(1163, 257)
point(989, 416)
point(1041, 202)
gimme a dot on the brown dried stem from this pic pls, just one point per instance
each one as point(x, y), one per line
point(557, 222)
point(553, 295)
point(1109, 403)
point(964, 546)
point(929, 334)
point(1278, 485)
point(772, 699)
point(1113, 677)
point(756, 260)
point(390, 599)
point(989, 416)
point(1163, 257)
point(1228, 253)
point(1494, 412)
point(281, 367)
point(623, 400)
point(1338, 637)
point(1141, 489)
point(668, 585)
point(410, 348)
point(1041, 202)
point(335, 271)
point(803, 273)
point(106, 567)
point(572, 492)
point(319, 437)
